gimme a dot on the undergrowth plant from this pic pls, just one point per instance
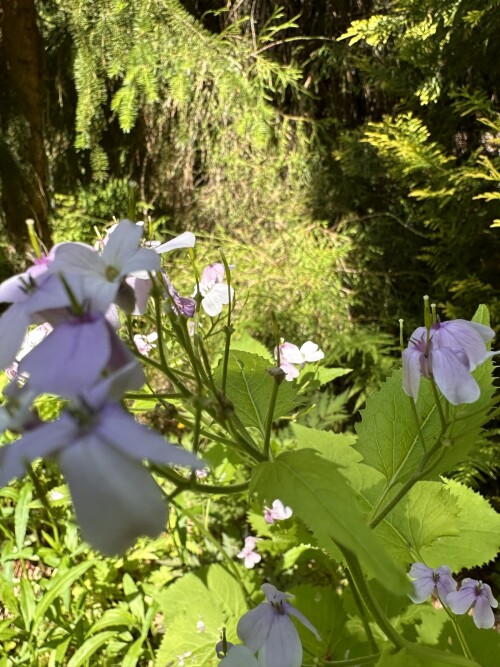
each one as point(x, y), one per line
point(169, 421)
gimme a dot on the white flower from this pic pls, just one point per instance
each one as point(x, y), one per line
point(290, 356)
point(215, 293)
point(145, 344)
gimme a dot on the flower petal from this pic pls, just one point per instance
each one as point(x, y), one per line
point(13, 324)
point(78, 258)
point(461, 601)
point(35, 444)
point(122, 242)
point(282, 646)
point(468, 336)
point(239, 656)
point(453, 378)
point(482, 613)
point(185, 240)
point(254, 626)
point(411, 371)
point(292, 611)
point(311, 352)
point(118, 428)
point(70, 359)
point(115, 498)
point(215, 298)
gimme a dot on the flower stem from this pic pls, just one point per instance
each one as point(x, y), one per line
point(369, 599)
point(439, 407)
point(270, 414)
point(459, 633)
point(362, 614)
point(364, 660)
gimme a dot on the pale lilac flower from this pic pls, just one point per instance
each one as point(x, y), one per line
point(31, 294)
point(100, 449)
point(215, 293)
point(478, 596)
point(182, 305)
point(240, 656)
point(454, 350)
point(278, 512)
point(250, 557)
point(145, 344)
point(31, 339)
point(215, 273)
point(291, 356)
point(429, 582)
point(104, 272)
point(269, 630)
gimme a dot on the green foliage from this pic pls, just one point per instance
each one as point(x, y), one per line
point(250, 386)
point(316, 491)
point(212, 597)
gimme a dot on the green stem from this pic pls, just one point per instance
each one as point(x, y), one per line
point(438, 405)
point(270, 415)
point(228, 329)
point(364, 660)
point(188, 485)
point(369, 599)
point(208, 536)
point(361, 610)
point(459, 633)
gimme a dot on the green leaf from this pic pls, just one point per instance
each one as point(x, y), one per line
point(22, 513)
point(416, 655)
point(388, 436)
point(27, 601)
point(59, 584)
point(249, 387)
point(320, 496)
point(427, 515)
point(246, 343)
point(89, 647)
point(478, 540)
point(211, 596)
point(335, 447)
point(114, 618)
point(324, 609)
point(7, 595)
point(134, 597)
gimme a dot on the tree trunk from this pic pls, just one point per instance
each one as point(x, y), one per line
point(23, 169)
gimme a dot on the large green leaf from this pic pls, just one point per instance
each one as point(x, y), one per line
point(249, 387)
point(388, 436)
point(416, 655)
point(426, 515)
point(211, 596)
point(320, 496)
point(478, 540)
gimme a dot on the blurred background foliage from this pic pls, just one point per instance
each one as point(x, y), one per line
point(344, 153)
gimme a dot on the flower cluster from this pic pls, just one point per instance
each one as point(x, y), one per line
point(269, 632)
point(278, 512)
point(472, 594)
point(448, 354)
point(75, 292)
point(292, 359)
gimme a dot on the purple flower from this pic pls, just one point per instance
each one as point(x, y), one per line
point(250, 557)
point(269, 630)
point(278, 512)
point(183, 305)
point(477, 595)
point(100, 449)
point(238, 656)
point(454, 350)
point(429, 582)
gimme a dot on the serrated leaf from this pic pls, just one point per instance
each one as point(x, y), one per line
point(422, 519)
point(249, 387)
point(335, 447)
point(320, 496)
point(479, 533)
point(388, 436)
point(246, 343)
point(211, 596)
